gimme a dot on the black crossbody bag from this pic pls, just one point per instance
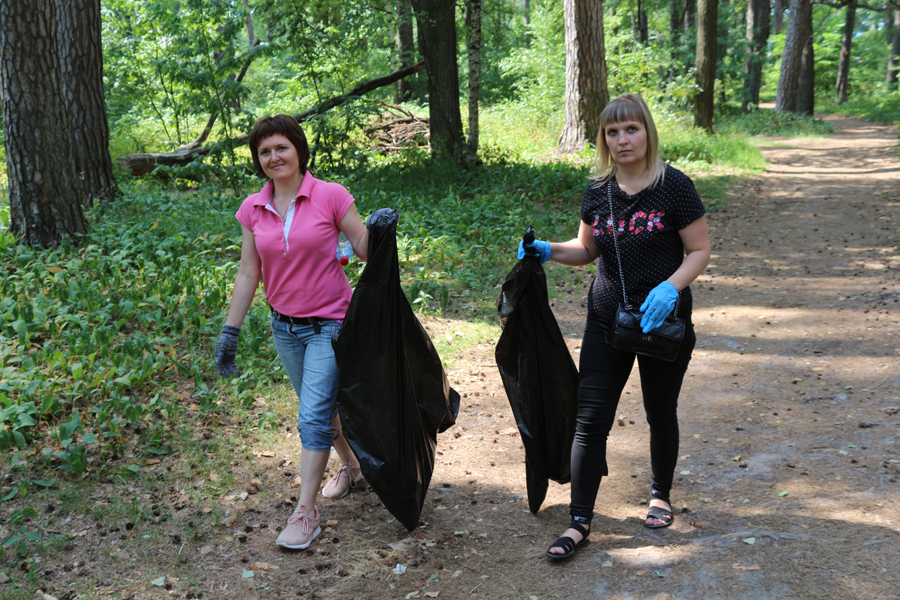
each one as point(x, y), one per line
point(625, 333)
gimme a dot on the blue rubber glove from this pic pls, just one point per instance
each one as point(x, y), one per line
point(658, 305)
point(226, 351)
point(538, 248)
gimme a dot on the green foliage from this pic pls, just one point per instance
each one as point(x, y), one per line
point(538, 67)
point(770, 123)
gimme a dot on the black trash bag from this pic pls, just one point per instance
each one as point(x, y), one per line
point(539, 376)
point(393, 395)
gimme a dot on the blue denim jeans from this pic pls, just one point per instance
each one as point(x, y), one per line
point(309, 361)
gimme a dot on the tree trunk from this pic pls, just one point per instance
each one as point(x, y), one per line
point(44, 192)
point(473, 27)
point(799, 27)
point(894, 49)
point(643, 30)
point(707, 46)
point(842, 88)
point(757, 40)
point(406, 49)
point(437, 41)
point(586, 90)
point(526, 7)
point(674, 27)
point(690, 14)
point(806, 85)
point(777, 17)
point(81, 75)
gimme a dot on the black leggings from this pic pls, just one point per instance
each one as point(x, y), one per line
point(603, 372)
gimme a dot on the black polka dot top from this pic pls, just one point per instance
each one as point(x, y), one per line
point(646, 226)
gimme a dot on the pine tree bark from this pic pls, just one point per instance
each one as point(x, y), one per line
point(777, 17)
point(81, 74)
point(757, 41)
point(473, 45)
point(893, 64)
point(406, 49)
point(842, 87)
point(806, 84)
point(437, 42)
point(707, 48)
point(587, 93)
point(44, 192)
point(799, 28)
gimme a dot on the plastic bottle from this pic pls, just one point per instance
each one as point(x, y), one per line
point(343, 251)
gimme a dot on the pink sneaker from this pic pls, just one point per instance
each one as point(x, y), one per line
point(301, 530)
point(342, 481)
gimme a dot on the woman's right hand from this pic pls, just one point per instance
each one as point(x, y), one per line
point(537, 248)
point(226, 351)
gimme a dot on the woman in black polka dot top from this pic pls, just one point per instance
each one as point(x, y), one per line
point(661, 231)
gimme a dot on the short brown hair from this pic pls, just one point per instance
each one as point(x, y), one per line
point(627, 107)
point(286, 125)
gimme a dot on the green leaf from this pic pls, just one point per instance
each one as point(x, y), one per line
point(10, 494)
point(782, 494)
point(159, 582)
point(248, 574)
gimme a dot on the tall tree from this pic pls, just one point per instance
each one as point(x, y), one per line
point(643, 32)
point(44, 191)
point(690, 15)
point(806, 84)
point(707, 47)
point(81, 74)
point(757, 40)
point(587, 93)
point(842, 88)
point(436, 20)
point(473, 44)
point(798, 30)
point(893, 62)
point(406, 49)
point(777, 16)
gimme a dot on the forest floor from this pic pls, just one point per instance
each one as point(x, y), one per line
point(787, 480)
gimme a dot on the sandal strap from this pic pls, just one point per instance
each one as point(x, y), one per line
point(659, 513)
point(579, 528)
point(564, 542)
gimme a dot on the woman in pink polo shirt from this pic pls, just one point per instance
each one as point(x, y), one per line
point(290, 230)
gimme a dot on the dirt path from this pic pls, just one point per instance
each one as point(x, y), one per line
point(787, 483)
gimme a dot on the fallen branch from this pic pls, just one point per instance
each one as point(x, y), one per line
point(215, 115)
point(144, 163)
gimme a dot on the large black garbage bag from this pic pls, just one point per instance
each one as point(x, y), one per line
point(393, 395)
point(540, 377)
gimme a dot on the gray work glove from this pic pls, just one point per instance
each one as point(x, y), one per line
point(382, 216)
point(226, 350)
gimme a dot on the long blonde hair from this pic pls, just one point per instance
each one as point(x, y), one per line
point(627, 107)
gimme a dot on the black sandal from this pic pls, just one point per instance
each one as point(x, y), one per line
point(568, 544)
point(660, 514)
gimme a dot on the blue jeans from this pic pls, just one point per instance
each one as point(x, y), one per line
point(309, 361)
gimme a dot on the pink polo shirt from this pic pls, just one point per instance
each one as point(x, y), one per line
point(302, 278)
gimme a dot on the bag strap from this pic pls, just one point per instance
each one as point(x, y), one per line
point(614, 228)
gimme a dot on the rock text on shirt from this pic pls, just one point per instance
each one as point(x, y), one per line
point(638, 223)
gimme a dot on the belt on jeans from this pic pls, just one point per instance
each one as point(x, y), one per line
point(314, 321)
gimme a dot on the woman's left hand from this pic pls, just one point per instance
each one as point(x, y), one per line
point(658, 305)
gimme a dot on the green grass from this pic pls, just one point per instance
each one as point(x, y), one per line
point(879, 104)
